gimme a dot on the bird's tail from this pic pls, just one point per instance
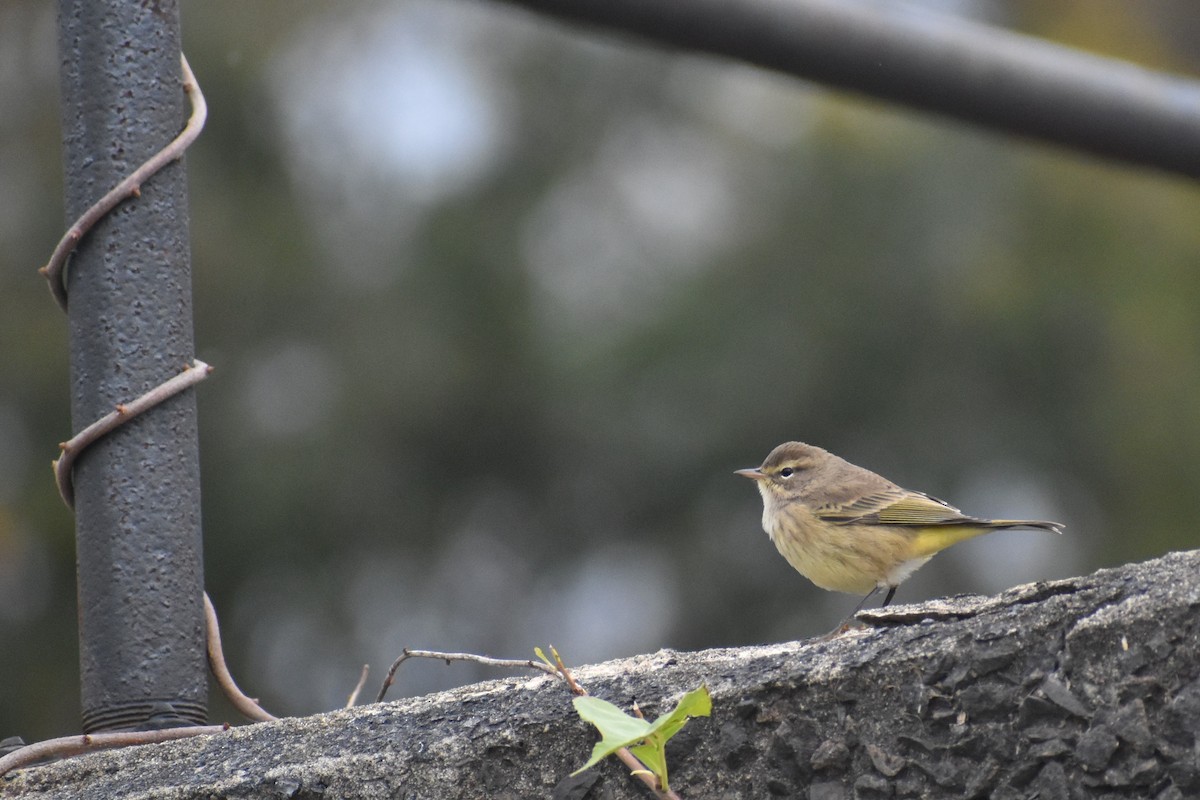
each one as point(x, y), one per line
point(930, 539)
point(1053, 527)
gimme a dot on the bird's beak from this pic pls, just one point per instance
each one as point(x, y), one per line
point(754, 473)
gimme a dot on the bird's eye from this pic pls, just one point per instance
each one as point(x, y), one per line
point(786, 472)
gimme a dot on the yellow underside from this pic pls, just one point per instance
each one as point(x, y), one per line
point(859, 558)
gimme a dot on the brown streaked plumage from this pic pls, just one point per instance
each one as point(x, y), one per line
point(847, 529)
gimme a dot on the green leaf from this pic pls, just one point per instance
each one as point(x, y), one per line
point(647, 741)
point(654, 756)
point(617, 729)
point(696, 703)
point(538, 652)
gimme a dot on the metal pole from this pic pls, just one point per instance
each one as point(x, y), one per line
point(137, 493)
point(986, 76)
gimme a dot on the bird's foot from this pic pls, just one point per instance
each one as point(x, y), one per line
point(849, 624)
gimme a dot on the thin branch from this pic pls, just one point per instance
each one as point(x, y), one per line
point(358, 687)
point(636, 767)
point(124, 412)
point(248, 706)
point(510, 663)
point(566, 673)
point(130, 187)
point(640, 771)
point(88, 742)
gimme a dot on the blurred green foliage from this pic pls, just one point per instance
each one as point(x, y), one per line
point(497, 306)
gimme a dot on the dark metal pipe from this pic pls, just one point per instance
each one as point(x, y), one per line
point(998, 79)
point(137, 492)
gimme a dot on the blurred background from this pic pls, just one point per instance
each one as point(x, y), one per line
point(497, 306)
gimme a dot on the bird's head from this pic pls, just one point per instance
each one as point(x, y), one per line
point(788, 468)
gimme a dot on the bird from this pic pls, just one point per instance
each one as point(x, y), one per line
point(850, 530)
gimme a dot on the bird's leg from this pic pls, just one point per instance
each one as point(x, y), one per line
point(848, 622)
point(891, 593)
point(863, 602)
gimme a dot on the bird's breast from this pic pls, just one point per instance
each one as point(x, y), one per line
point(841, 558)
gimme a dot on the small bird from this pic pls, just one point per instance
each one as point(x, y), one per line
point(847, 529)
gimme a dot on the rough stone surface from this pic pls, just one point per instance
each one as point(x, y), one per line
point(1088, 687)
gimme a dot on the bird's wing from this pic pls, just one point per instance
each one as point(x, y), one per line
point(893, 506)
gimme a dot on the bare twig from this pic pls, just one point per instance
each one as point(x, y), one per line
point(124, 412)
point(85, 743)
point(248, 706)
point(390, 678)
point(640, 771)
point(130, 187)
point(566, 673)
point(636, 767)
point(358, 687)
